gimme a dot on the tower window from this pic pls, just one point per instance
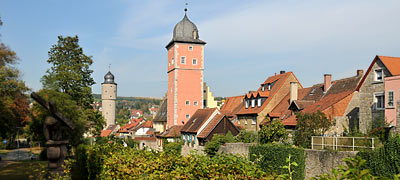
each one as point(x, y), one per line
point(190, 48)
point(183, 60)
point(195, 103)
point(188, 103)
point(194, 61)
point(172, 61)
point(187, 116)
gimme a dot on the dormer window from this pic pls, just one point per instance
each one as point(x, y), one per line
point(253, 103)
point(269, 87)
point(246, 102)
point(263, 88)
point(259, 102)
point(378, 75)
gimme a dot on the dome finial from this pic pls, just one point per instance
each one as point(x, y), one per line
point(186, 4)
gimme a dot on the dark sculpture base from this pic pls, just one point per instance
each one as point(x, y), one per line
point(56, 153)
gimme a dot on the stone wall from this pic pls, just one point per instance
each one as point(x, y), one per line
point(319, 161)
point(150, 145)
point(241, 149)
point(187, 149)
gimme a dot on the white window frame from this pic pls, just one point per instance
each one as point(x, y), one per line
point(254, 121)
point(195, 103)
point(269, 87)
point(378, 94)
point(187, 116)
point(376, 74)
point(190, 48)
point(390, 99)
point(183, 59)
point(253, 103)
point(172, 61)
point(194, 61)
point(187, 103)
point(259, 102)
point(246, 103)
point(263, 88)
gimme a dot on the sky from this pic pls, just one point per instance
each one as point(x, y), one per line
point(247, 41)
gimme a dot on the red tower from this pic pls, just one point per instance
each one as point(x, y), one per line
point(185, 72)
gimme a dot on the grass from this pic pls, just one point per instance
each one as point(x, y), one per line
point(21, 170)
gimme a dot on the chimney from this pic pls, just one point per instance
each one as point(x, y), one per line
point(360, 72)
point(282, 72)
point(327, 81)
point(293, 91)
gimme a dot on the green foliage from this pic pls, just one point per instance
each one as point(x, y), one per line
point(43, 154)
point(172, 147)
point(13, 103)
point(310, 124)
point(273, 157)
point(212, 147)
point(384, 161)
point(272, 132)
point(113, 161)
point(289, 168)
point(70, 71)
point(82, 118)
point(131, 143)
point(123, 115)
point(246, 136)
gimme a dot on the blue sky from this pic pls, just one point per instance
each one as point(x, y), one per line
point(247, 41)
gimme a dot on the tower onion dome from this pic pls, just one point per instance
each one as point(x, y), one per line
point(186, 32)
point(109, 78)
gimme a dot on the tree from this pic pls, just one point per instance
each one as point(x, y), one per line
point(310, 124)
point(13, 102)
point(68, 82)
point(273, 131)
point(70, 71)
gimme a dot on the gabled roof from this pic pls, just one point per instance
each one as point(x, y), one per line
point(277, 81)
point(392, 64)
point(161, 115)
point(174, 131)
point(105, 133)
point(339, 90)
point(232, 105)
point(210, 126)
point(197, 120)
point(130, 125)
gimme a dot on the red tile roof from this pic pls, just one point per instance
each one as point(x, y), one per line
point(174, 131)
point(105, 133)
point(277, 81)
point(210, 126)
point(130, 125)
point(147, 124)
point(232, 105)
point(145, 138)
point(197, 120)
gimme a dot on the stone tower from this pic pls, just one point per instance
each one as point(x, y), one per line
point(185, 72)
point(108, 97)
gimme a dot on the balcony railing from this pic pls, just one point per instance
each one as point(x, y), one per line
point(342, 143)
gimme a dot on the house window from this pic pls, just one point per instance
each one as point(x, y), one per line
point(194, 61)
point(245, 121)
point(187, 116)
point(379, 101)
point(172, 61)
point(195, 103)
point(259, 102)
point(269, 87)
point(378, 75)
point(187, 103)
point(190, 48)
point(262, 88)
point(246, 103)
point(253, 102)
point(183, 60)
point(194, 139)
point(254, 120)
point(390, 99)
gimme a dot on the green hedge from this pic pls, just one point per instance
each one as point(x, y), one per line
point(384, 161)
point(113, 161)
point(272, 158)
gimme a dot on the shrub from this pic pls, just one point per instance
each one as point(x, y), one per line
point(246, 137)
point(272, 158)
point(113, 161)
point(212, 147)
point(384, 161)
point(273, 131)
point(310, 124)
point(172, 147)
